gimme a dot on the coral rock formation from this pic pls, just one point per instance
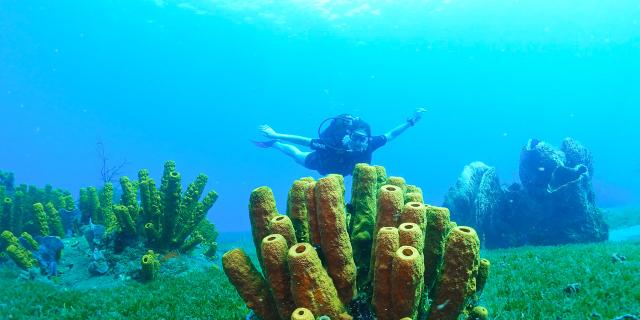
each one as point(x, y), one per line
point(554, 204)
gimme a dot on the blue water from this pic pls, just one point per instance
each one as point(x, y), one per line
point(191, 81)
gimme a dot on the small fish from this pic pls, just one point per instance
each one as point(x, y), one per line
point(541, 169)
point(441, 306)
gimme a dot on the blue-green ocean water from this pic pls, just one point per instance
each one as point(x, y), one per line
point(191, 81)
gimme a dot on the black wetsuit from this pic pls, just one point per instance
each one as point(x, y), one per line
point(326, 159)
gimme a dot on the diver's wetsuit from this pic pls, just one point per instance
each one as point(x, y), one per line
point(326, 159)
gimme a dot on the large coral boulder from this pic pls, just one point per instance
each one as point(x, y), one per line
point(477, 198)
point(554, 204)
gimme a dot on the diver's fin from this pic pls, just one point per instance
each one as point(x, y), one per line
point(264, 144)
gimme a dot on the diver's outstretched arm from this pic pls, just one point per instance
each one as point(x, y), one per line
point(268, 132)
point(395, 132)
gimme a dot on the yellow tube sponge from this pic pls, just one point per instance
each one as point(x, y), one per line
point(382, 175)
point(413, 197)
point(438, 223)
point(334, 237)
point(483, 275)
point(414, 212)
point(21, 256)
point(411, 235)
point(327, 274)
point(106, 203)
point(457, 283)
point(171, 194)
point(311, 286)
point(413, 194)
point(302, 314)
point(386, 245)
point(250, 284)
point(406, 282)
point(282, 225)
point(7, 238)
point(129, 196)
point(150, 266)
point(312, 215)
point(274, 258)
point(390, 204)
point(33, 244)
point(41, 219)
point(364, 197)
point(413, 188)
point(149, 200)
point(398, 182)
point(262, 208)
point(151, 233)
point(389, 208)
point(479, 313)
point(5, 213)
point(55, 222)
point(297, 208)
point(195, 239)
point(125, 221)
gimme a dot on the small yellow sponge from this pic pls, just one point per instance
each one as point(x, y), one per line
point(479, 313)
point(483, 275)
point(302, 314)
point(150, 266)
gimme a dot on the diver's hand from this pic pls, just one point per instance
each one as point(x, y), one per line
point(417, 115)
point(268, 132)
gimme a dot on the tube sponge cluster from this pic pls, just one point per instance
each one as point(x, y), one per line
point(33, 210)
point(22, 257)
point(166, 217)
point(390, 257)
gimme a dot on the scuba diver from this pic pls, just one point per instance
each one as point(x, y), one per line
point(345, 142)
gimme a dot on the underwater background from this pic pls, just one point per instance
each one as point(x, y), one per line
point(191, 81)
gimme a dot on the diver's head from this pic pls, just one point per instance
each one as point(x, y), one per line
point(357, 140)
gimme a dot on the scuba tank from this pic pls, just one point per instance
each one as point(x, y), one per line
point(339, 127)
